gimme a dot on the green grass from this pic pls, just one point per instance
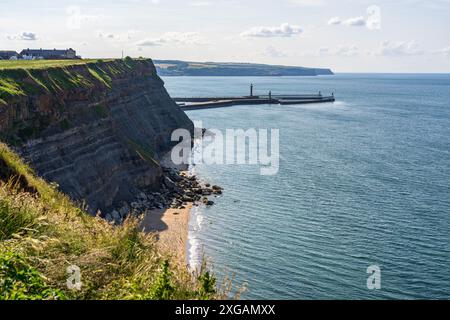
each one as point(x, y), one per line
point(23, 282)
point(16, 82)
point(9, 87)
point(22, 78)
point(42, 232)
point(44, 64)
point(100, 74)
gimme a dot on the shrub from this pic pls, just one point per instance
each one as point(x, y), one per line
point(20, 281)
point(207, 286)
point(163, 289)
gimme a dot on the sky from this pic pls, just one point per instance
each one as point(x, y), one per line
point(347, 35)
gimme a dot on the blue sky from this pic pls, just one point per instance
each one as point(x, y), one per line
point(346, 35)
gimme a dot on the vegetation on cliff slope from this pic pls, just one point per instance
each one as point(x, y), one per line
point(28, 89)
point(42, 233)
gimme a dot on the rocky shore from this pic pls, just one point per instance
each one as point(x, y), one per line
point(166, 213)
point(178, 191)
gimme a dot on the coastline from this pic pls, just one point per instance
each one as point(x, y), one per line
point(173, 226)
point(171, 223)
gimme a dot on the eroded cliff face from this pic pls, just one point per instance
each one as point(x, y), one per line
point(98, 130)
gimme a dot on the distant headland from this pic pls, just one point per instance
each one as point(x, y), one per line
point(185, 68)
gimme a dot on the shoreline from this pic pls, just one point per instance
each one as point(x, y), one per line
point(173, 240)
point(171, 223)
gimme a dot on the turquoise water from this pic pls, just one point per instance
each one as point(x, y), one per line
point(364, 181)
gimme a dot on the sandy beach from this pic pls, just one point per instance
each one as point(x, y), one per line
point(171, 227)
point(171, 224)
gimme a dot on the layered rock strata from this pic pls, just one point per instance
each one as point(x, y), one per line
point(98, 129)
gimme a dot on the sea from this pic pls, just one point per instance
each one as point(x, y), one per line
point(360, 205)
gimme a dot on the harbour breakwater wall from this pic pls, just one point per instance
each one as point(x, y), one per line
point(98, 130)
point(221, 102)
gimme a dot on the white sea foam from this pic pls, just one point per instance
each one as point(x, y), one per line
point(340, 105)
point(194, 246)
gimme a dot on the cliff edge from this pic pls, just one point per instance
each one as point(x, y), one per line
point(98, 129)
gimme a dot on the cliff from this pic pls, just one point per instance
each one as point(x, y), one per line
point(98, 129)
point(44, 236)
point(183, 68)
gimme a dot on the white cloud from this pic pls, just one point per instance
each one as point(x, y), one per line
point(273, 52)
point(76, 19)
point(27, 36)
point(399, 48)
point(284, 30)
point(355, 22)
point(445, 51)
point(372, 20)
point(192, 38)
point(352, 22)
point(121, 37)
point(334, 21)
point(149, 43)
point(101, 34)
point(348, 50)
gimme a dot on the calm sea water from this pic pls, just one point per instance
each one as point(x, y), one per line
point(364, 181)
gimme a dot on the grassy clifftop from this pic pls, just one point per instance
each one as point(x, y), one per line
point(22, 78)
point(43, 64)
point(42, 233)
point(39, 95)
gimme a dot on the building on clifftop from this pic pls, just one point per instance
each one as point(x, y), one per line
point(49, 54)
point(8, 55)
